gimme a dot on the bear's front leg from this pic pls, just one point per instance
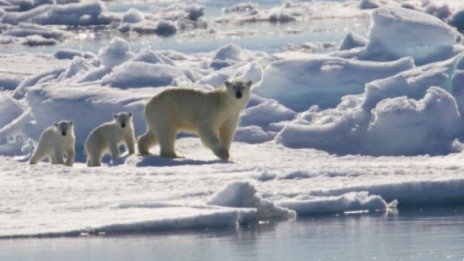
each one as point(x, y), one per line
point(114, 149)
point(59, 157)
point(209, 138)
point(227, 132)
point(130, 145)
point(70, 154)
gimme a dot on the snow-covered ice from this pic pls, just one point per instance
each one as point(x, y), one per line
point(260, 182)
point(374, 123)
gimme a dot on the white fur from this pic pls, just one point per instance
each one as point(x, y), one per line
point(107, 138)
point(54, 146)
point(213, 115)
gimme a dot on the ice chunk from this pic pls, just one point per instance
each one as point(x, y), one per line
point(457, 19)
point(9, 82)
point(37, 40)
point(10, 108)
point(140, 74)
point(440, 10)
point(115, 53)
point(340, 130)
point(166, 28)
point(399, 32)
point(322, 80)
point(352, 40)
point(240, 194)
point(81, 13)
point(353, 201)
point(194, 12)
point(253, 134)
point(402, 126)
point(133, 16)
point(266, 113)
point(411, 83)
point(226, 56)
point(65, 54)
point(369, 4)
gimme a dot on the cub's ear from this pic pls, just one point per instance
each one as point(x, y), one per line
point(115, 116)
point(56, 124)
point(228, 84)
point(71, 123)
point(130, 114)
point(249, 83)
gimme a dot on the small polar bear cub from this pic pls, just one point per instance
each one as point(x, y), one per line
point(56, 143)
point(107, 138)
point(213, 115)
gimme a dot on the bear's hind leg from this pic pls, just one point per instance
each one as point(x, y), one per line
point(146, 141)
point(93, 160)
point(36, 157)
point(167, 139)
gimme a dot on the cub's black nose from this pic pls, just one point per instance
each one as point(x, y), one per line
point(238, 95)
point(63, 133)
point(123, 125)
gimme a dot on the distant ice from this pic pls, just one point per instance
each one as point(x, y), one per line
point(55, 15)
point(399, 32)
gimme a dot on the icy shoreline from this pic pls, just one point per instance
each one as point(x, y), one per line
point(195, 192)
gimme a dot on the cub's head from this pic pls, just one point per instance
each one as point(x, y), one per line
point(239, 89)
point(124, 119)
point(65, 128)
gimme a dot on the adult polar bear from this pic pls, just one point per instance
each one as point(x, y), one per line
point(213, 115)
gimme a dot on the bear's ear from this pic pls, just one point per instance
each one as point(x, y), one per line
point(56, 124)
point(71, 123)
point(249, 83)
point(228, 84)
point(130, 114)
point(115, 116)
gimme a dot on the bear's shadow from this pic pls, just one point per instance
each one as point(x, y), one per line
point(157, 161)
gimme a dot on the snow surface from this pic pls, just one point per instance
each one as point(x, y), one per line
point(260, 182)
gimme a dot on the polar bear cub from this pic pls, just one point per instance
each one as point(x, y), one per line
point(107, 138)
point(213, 115)
point(56, 143)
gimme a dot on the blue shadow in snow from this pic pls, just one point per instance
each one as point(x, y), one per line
point(156, 161)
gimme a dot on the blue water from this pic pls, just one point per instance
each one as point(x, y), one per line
point(418, 234)
point(269, 37)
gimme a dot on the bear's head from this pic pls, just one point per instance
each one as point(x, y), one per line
point(124, 119)
point(65, 128)
point(239, 89)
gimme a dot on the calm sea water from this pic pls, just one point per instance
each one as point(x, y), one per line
point(264, 36)
point(418, 234)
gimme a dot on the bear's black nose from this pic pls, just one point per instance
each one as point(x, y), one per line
point(123, 125)
point(63, 133)
point(238, 95)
